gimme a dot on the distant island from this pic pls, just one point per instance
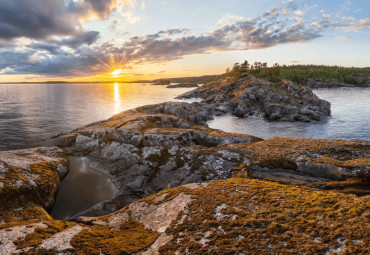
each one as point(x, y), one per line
point(313, 76)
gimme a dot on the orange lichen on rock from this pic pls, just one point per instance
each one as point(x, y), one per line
point(35, 184)
point(128, 238)
point(294, 147)
point(244, 215)
point(237, 215)
point(131, 237)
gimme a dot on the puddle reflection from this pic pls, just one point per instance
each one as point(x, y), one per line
point(82, 188)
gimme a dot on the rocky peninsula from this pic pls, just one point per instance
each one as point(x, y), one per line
point(186, 188)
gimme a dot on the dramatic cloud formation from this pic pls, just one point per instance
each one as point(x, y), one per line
point(47, 37)
point(44, 18)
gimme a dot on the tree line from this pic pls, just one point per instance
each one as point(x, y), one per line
point(298, 73)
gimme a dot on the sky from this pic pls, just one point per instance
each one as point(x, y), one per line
point(107, 40)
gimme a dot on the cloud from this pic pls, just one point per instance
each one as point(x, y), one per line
point(348, 24)
point(130, 17)
point(286, 11)
point(165, 45)
point(342, 37)
point(33, 19)
point(324, 15)
point(79, 39)
point(51, 48)
point(63, 63)
point(228, 19)
point(361, 25)
point(75, 52)
point(6, 70)
point(43, 19)
point(299, 12)
point(272, 13)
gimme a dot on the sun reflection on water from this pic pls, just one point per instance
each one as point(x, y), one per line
point(117, 101)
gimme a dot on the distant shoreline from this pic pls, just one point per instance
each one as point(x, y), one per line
point(63, 82)
point(193, 79)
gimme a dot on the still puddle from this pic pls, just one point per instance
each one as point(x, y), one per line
point(82, 188)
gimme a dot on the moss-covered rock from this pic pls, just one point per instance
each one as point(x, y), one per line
point(237, 215)
point(30, 176)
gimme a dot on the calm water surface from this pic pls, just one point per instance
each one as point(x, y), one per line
point(32, 112)
point(350, 119)
point(82, 188)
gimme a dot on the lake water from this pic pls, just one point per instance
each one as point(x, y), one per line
point(350, 119)
point(30, 113)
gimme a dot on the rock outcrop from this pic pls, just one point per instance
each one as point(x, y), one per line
point(234, 216)
point(30, 176)
point(145, 150)
point(248, 95)
point(291, 195)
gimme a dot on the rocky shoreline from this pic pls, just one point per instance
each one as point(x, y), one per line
point(231, 193)
point(364, 81)
point(183, 85)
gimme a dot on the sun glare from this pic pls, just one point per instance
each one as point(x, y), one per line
point(117, 72)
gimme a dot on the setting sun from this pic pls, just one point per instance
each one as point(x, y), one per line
point(117, 72)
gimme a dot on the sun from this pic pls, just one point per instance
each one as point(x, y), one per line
point(117, 72)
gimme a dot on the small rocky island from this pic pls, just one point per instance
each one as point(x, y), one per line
point(184, 188)
point(247, 95)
